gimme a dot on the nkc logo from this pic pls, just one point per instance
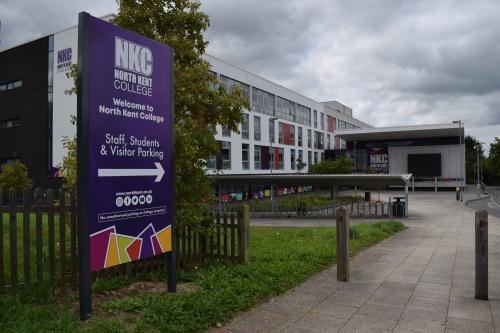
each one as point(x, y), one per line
point(133, 57)
point(64, 55)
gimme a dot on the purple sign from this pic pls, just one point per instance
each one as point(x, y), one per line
point(130, 146)
point(379, 159)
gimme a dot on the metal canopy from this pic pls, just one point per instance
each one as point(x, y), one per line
point(401, 133)
point(298, 179)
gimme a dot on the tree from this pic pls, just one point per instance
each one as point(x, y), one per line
point(492, 164)
point(14, 175)
point(471, 144)
point(341, 165)
point(198, 106)
point(300, 165)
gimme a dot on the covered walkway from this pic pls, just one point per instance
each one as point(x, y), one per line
point(332, 181)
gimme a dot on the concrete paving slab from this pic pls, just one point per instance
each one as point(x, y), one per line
point(468, 326)
point(316, 323)
point(263, 321)
point(381, 311)
point(415, 325)
point(335, 310)
point(360, 323)
point(469, 308)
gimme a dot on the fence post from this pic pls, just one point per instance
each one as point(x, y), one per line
point(203, 245)
point(389, 206)
point(481, 226)
point(38, 235)
point(342, 245)
point(13, 238)
point(2, 272)
point(244, 234)
point(73, 238)
point(51, 234)
point(26, 236)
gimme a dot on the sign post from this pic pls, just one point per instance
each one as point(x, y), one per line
point(125, 151)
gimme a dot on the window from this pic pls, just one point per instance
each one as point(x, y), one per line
point(303, 115)
point(315, 119)
point(226, 155)
point(315, 157)
point(342, 124)
point(211, 162)
point(245, 126)
point(309, 158)
point(322, 155)
point(245, 163)
point(292, 135)
point(262, 102)
point(11, 85)
point(328, 141)
point(331, 124)
point(285, 109)
point(299, 137)
point(309, 138)
point(281, 153)
point(226, 131)
point(292, 159)
point(228, 85)
point(256, 128)
point(300, 159)
point(322, 120)
point(271, 131)
point(256, 158)
point(10, 123)
point(212, 85)
point(319, 140)
point(281, 133)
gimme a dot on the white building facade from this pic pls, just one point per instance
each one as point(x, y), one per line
point(281, 129)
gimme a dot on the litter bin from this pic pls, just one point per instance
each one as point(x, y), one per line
point(367, 196)
point(398, 207)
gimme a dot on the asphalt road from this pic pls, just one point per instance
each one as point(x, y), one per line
point(491, 204)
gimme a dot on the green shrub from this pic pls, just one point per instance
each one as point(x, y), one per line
point(341, 165)
point(14, 175)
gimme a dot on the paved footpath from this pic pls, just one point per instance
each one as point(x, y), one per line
point(420, 280)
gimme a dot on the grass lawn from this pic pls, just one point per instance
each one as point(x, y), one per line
point(280, 259)
point(292, 202)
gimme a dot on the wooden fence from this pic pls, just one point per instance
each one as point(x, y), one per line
point(39, 241)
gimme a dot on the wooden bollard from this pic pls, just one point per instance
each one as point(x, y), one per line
point(342, 245)
point(481, 226)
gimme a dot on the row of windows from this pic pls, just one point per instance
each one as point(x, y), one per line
point(264, 158)
point(228, 85)
point(11, 85)
point(286, 133)
point(10, 123)
point(264, 102)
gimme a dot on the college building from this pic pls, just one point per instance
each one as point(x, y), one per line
point(283, 131)
point(280, 129)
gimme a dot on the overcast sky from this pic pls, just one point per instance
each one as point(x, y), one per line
point(394, 62)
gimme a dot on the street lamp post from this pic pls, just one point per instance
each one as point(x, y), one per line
point(478, 148)
point(459, 122)
point(273, 119)
point(355, 158)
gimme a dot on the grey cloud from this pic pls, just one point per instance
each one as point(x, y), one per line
point(24, 20)
point(396, 62)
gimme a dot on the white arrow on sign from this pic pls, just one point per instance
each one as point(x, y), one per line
point(158, 172)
